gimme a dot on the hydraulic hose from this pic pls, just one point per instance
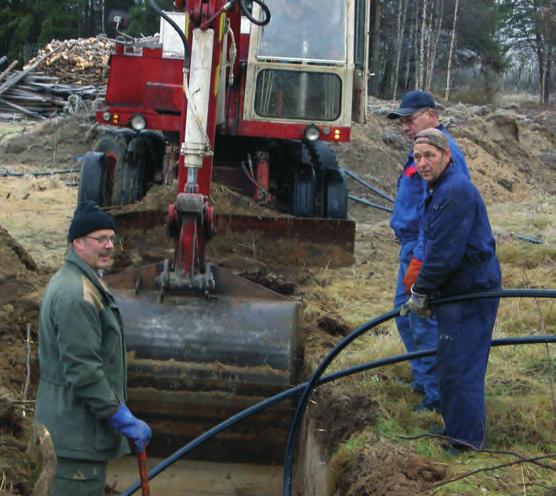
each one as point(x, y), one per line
point(264, 8)
point(294, 391)
point(302, 403)
point(169, 20)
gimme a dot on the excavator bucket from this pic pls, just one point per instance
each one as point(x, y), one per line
point(194, 362)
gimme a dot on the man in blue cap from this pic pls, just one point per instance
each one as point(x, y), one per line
point(417, 112)
point(82, 357)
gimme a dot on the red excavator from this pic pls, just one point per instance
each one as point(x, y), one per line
point(249, 94)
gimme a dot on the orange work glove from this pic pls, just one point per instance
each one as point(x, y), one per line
point(411, 274)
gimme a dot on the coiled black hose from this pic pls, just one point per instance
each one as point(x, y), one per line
point(273, 400)
point(247, 13)
point(302, 403)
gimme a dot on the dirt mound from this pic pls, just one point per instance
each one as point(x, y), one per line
point(20, 287)
point(55, 143)
point(510, 152)
point(328, 411)
point(383, 469)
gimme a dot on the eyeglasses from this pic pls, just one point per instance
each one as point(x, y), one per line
point(103, 240)
point(411, 119)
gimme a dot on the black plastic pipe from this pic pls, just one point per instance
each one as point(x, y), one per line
point(367, 185)
point(367, 203)
point(289, 393)
point(302, 403)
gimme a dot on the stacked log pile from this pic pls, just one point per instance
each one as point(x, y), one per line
point(81, 61)
point(63, 75)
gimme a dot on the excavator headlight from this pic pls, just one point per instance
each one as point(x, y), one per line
point(312, 133)
point(138, 122)
point(107, 116)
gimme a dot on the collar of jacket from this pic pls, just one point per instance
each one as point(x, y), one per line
point(448, 171)
point(74, 259)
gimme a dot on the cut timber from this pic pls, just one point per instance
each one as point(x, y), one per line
point(8, 70)
point(18, 77)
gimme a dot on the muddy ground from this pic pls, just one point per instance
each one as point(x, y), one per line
point(512, 160)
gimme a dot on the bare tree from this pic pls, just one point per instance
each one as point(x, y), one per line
point(435, 38)
point(410, 43)
point(450, 53)
point(416, 39)
point(422, 36)
point(400, 28)
point(544, 36)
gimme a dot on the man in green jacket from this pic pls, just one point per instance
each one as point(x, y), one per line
point(82, 389)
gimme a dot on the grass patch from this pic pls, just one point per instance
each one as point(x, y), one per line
point(525, 254)
point(7, 129)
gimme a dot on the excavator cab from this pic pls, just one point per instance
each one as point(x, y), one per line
point(301, 65)
point(248, 94)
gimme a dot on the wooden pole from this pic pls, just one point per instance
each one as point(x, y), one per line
point(8, 70)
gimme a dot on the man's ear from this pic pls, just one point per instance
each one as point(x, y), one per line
point(76, 244)
point(447, 155)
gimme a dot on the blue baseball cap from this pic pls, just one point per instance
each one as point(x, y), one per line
point(411, 102)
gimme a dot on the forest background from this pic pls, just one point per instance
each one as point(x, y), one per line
point(466, 50)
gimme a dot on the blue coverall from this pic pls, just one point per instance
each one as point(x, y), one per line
point(417, 333)
point(460, 257)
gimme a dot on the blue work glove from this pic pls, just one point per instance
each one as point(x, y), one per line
point(418, 304)
point(137, 431)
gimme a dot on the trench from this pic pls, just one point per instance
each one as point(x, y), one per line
point(201, 478)
point(189, 477)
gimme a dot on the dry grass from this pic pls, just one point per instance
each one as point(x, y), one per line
point(8, 128)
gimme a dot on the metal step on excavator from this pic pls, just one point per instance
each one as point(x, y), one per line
point(251, 94)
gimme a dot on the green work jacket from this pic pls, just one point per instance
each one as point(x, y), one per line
point(82, 361)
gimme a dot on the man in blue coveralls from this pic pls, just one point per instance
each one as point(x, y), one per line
point(459, 257)
point(417, 112)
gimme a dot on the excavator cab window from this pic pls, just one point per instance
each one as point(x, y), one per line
point(305, 31)
point(298, 95)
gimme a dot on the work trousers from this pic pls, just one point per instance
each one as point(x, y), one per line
point(79, 478)
point(464, 337)
point(417, 334)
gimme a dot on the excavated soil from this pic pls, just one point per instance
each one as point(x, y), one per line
point(384, 469)
point(20, 286)
point(511, 158)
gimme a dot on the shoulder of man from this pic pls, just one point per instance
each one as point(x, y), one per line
point(72, 284)
point(457, 153)
point(457, 187)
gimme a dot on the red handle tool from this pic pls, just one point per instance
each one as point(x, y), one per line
point(142, 460)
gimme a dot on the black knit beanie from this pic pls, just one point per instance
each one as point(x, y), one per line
point(87, 218)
